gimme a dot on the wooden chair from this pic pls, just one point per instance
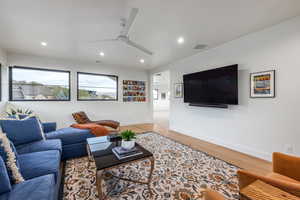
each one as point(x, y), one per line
point(82, 118)
point(285, 175)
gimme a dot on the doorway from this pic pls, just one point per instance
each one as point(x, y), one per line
point(161, 98)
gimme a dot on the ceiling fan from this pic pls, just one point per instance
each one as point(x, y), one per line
point(124, 35)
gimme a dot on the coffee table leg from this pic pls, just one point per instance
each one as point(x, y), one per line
point(88, 152)
point(98, 183)
point(150, 175)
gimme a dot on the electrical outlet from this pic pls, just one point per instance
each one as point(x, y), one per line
point(288, 148)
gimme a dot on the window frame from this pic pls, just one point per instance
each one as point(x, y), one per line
point(10, 79)
point(97, 74)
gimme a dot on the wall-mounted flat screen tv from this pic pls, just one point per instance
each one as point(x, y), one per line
point(215, 86)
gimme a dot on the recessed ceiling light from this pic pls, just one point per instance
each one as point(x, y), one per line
point(44, 44)
point(142, 61)
point(101, 54)
point(180, 40)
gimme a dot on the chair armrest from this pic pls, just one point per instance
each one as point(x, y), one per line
point(286, 165)
point(246, 178)
point(212, 195)
point(49, 126)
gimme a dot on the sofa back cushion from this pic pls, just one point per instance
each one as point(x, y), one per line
point(10, 157)
point(22, 116)
point(22, 131)
point(5, 185)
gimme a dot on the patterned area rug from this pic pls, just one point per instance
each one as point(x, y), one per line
point(180, 173)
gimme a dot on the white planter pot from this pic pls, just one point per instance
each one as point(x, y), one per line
point(128, 144)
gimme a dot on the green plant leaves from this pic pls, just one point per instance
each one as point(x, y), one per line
point(128, 135)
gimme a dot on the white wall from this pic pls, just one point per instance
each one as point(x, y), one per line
point(256, 126)
point(59, 111)
point(3, 61)
point(3, 56)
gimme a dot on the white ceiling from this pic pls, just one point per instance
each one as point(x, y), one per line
point(68, 26)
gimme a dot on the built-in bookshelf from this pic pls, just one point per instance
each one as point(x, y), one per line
point(134, 91)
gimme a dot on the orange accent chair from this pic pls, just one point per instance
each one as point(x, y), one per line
point(82, 118)
point(285, 175)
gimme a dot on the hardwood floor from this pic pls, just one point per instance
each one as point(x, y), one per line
point(241, 160)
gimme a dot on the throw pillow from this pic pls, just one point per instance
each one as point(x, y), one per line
point(9, 156)
point(22, 131)
point(22, 116)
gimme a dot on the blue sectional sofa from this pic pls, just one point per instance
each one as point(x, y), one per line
point(73, 141)
point(40, 163)
point(41, 170)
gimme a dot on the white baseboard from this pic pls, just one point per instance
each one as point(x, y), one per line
point(237, 147)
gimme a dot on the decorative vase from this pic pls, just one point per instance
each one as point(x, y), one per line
point(128, 144)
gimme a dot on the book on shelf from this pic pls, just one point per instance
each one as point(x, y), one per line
point(122, 153)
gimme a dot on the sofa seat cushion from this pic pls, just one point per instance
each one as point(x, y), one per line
point(40, 163)
point(40, 188)
point(42, 145)
point(282, 177)
point(5, 185)
point(74, 151)
point(70, 135)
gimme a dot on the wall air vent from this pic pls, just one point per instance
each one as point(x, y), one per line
point(200, 46)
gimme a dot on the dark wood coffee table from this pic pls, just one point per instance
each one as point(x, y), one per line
point(100, 150)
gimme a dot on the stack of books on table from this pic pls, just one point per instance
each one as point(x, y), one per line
point(123, 153)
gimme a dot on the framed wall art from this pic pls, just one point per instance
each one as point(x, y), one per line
point(163, 96)
point(134, 91)
point(262, 84)
point(178, 90)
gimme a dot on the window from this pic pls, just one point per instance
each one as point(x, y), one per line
point(155, 94)
point(97, 87)
point(35, 84)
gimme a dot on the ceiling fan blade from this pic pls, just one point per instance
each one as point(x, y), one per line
point(105, 40)
point(139, 47)
point(130, 21)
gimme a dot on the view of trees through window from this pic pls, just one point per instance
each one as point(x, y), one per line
point(97, 87)
point(39, 84)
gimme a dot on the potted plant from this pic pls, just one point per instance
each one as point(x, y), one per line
point(128, 139)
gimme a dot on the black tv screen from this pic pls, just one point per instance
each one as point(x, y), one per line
point(216, 86)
